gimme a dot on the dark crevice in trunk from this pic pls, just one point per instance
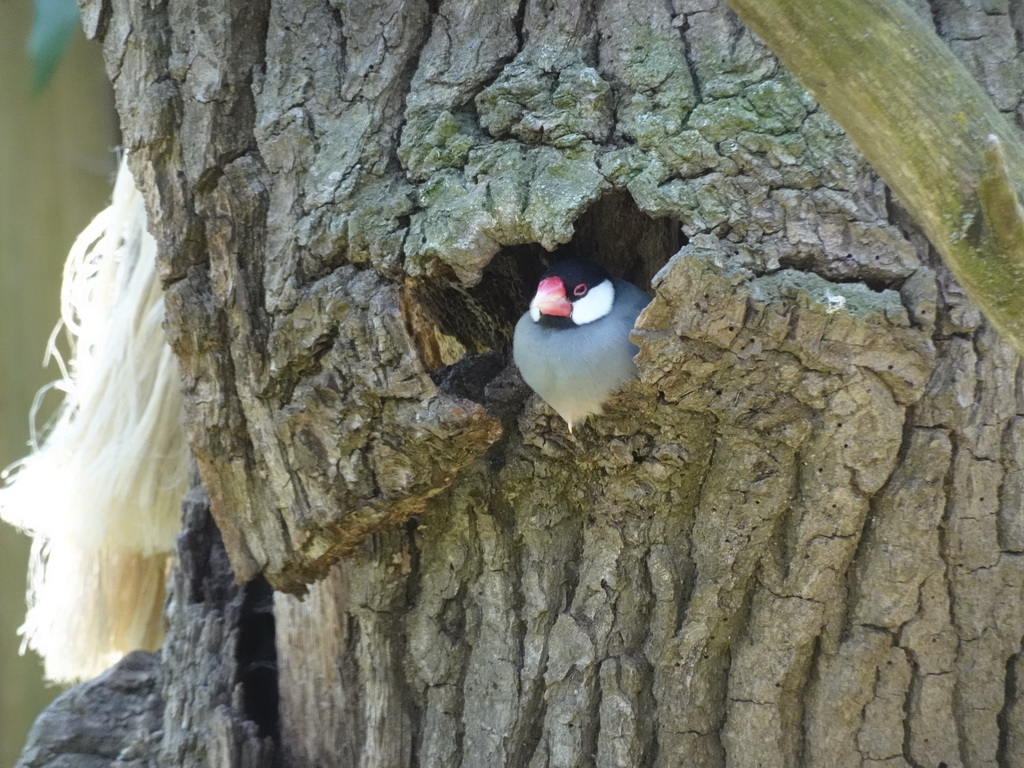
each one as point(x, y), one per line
point(949, 556)
point(864, 275)
point(256, 656)
point(519, 24)
point(1010, 701)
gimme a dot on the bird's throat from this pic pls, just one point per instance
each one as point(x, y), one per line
point(556, 322)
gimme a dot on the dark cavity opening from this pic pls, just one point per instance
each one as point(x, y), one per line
point(257, 658)
point(464, 334)
point(623, 239)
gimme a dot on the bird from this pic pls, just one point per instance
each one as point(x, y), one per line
point(572, 346)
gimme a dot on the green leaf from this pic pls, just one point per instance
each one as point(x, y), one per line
point(55, 22)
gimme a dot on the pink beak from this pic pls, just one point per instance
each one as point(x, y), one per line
point(550, 298)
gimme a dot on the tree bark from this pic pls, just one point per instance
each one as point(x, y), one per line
point(924, 124)
point(795, 541)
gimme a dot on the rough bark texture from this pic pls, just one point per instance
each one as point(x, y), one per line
point(113, 720)
point(796, 541)
point(898, 91)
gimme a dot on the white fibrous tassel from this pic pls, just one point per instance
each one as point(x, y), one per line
point(101, 494)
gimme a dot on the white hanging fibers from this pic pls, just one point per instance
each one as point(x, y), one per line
point(101, 495)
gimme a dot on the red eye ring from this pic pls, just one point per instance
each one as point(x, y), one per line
point(580, 290)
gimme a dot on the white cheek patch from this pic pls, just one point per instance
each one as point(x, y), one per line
point(534, 310)
point(595, 305)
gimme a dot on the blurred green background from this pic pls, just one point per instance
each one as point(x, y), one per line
point(56, 170)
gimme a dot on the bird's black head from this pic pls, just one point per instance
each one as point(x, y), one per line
point(572, 293)
point(578, 276)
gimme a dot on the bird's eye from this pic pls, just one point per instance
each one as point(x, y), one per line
point(580, 290)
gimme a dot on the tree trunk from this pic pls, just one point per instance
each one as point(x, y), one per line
point(795, 541)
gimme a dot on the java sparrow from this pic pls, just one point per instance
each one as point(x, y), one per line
point(572, 346)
